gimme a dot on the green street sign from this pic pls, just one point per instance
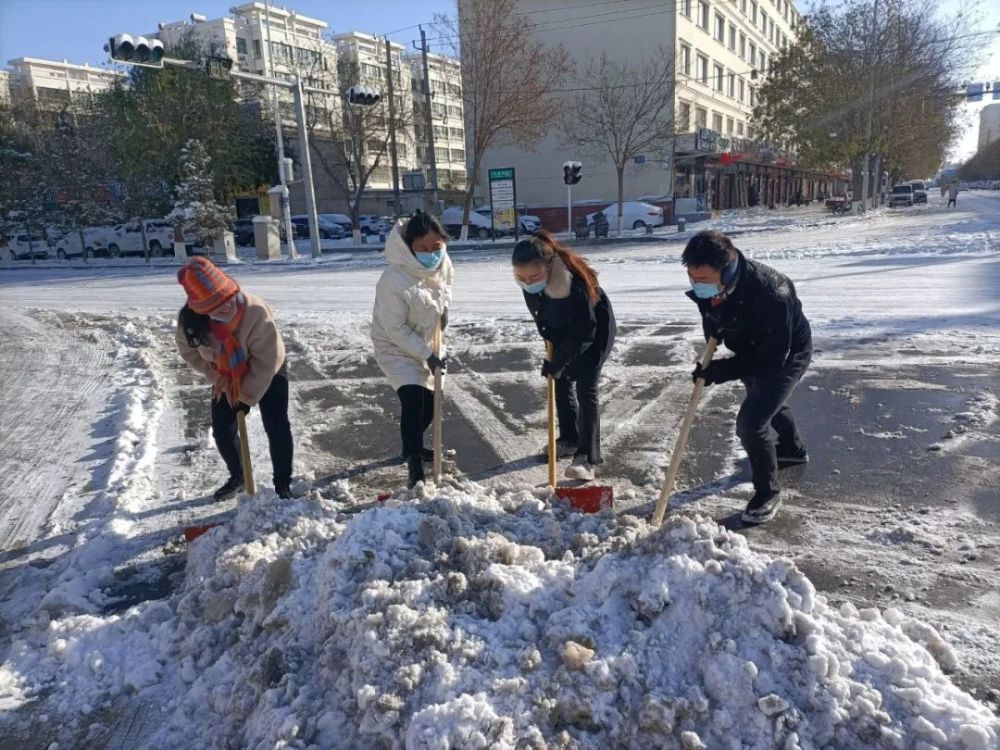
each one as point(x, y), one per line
point(506, 173)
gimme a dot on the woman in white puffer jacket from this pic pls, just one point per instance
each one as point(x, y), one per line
point(411, 298)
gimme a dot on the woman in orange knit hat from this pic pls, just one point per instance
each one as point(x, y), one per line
point(229, 336)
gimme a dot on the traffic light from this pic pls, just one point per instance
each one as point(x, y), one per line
point(571, 172)
point(218, 67)
point(362, 96)
point(136, 50)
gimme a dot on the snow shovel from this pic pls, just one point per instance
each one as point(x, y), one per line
point(682, 436)
point(592, 499)
point(193, 532)
point(438, 407)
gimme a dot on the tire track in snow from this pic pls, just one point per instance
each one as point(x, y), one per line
point(49, 384)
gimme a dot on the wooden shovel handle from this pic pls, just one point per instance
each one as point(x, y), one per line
point(241, 422)
point(551, 389)
point(682, 436)
point(438, 406)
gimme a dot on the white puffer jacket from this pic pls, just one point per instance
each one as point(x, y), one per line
point(409, 300)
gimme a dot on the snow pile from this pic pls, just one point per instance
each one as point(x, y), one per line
point(488, 618)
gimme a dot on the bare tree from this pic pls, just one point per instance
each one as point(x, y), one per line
point(508, 80)
point(624, 111)
point(351, 143)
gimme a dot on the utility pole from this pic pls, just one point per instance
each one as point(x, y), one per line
point(300, 116)
point(871, 105)
point(430, 121)
point(286, 209)
point(392, 131)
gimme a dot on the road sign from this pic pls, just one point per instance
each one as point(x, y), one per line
point(503, 198)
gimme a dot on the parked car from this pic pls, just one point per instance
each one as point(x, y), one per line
point(328, 230)
point(160, 235)
point(529, 224)
point(342, 219)
point(371, 224)
point(636, 215)
point(27, 245)
point(919, 191)
point(243, 232)
point(95, 244)
point(479, 223)
point(901, 195)
point(503, 228)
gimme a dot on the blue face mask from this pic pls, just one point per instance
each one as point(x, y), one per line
point(430, 260)
point(537, 288)
point(705, 291)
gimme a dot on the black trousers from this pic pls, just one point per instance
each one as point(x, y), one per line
point(952, 202)
point(274, 413)
point(764, 408)
point(578, 409)
point(416, 415)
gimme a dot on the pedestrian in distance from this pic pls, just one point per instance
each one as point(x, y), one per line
point(953, 195)
point(573, 313)
point(753, 310)
point(230, 337)
point(412, 298)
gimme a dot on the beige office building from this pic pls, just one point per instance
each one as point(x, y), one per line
point(708, 156)
point(989, 125)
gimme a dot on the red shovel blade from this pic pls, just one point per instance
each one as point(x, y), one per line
point(193, 532)
point(587, 499)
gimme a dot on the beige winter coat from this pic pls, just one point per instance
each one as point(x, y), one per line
point(409, 300)
point(259, 337)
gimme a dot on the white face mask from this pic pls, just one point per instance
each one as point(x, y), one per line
point(225, 312)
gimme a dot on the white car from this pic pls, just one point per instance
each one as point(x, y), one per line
point(372, 224)
point(94, 239)
point(160, 235)
point(27, 245)
point(343, 219)
point(636, 215)
point(529, 224)
point(479, 225)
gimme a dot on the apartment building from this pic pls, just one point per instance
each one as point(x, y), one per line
point(55, 83)
point(989, 125)
point(722, 50)
point(447, 113)
point(4, 87)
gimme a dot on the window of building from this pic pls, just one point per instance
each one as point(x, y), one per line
point(455, 112)
point(743, 7)
point(686, 60)
point(700, 117)
point(683, 117)
point(763, 62)
point(753, 54)
point(729, 125)
point(457, 134)
point(749, 131)
point(753, 13)
point(241, 45)
point(716, 122)
point(743, 46)
point(719, 78)
point(703, 69)
point(257, 50)
point(753, 96)
point(458, 154)
point(732, 37)
point(440, 131)
point(703, 14)
point(763, 23)
point(741, 86)
point(686, 8)
point(739, 128)
point(720, 28)
point(732, 85)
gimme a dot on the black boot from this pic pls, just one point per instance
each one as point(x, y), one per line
point(415, 466)
point(230, 489)
point(762, 507)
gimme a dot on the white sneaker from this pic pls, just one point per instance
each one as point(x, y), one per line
point(580, 469)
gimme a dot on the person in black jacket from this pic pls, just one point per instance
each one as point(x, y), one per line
point(574, 313)
point(754, 311)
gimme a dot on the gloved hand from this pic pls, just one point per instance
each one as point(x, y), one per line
point(436, 363)
point(708, 374)
point(444, 319)
point(245, 408)
point(548, 369)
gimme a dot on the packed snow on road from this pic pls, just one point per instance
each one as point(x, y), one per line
point(484, 612)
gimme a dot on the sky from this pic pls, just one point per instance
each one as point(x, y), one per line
point(76, 30)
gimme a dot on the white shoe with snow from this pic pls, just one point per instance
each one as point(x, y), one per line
point(580, 469)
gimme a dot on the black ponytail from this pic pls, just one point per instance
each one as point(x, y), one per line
point(420, 224)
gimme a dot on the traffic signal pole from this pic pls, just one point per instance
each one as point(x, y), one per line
point(569, 211)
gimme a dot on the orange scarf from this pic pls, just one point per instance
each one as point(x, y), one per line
point(232, 361)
